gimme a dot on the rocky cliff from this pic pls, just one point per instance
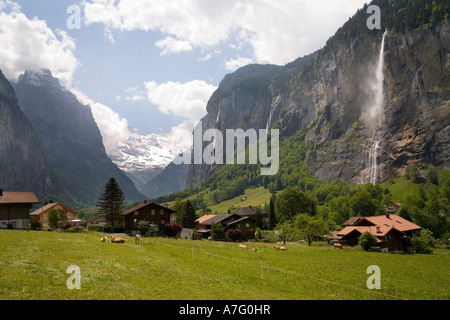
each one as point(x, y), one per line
point(70, 138)
point(329, 94)
point(23, 161)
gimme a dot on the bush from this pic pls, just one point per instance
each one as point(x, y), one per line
point(144, 227)
point(367, 241)
point(423, 242)
point(171, 229)
point(36, 225)
point(96, 229)
point(76, 230)
point(217, 232)
point(235, 234)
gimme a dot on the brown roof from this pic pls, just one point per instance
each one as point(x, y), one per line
point(18, 198)
point(250, 211)
point(143, 205)
point(204, 218)
point(50, 206)
point(380, 226)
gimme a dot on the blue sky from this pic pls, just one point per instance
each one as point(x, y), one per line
point(151, 65)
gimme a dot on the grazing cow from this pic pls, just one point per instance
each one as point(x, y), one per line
point(255, 249)
point(104, 239)
point(338, 246)
point(242, 246)
point(117, 240)
point(137, 239)
point(280, 248)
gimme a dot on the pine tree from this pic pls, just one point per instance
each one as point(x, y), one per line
point(188, 215)
point(272, 217)
point(111, 203)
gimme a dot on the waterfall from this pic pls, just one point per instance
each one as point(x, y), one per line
point(376, 116)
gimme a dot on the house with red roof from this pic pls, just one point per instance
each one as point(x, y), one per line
point(392, 232)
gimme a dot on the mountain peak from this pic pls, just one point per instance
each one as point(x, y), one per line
point(42, 78)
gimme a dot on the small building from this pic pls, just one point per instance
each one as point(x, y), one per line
point(152, 212)
point(243, 219)
point(15, 209)
point(40, 214)
point(99, 221)
point(392, 232)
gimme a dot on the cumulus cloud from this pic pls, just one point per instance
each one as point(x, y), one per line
point(29, 44)
point(171, 45)
point(234, 64)
point(188, 99)
point(277, 31)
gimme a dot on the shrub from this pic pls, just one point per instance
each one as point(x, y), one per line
point(96, 229)
point(423, 242)
point(217, 232)
point(75, 229)
point(144, 227)
point(235, 234)
point(367, 241)
point(36, 225)
point(171, 229)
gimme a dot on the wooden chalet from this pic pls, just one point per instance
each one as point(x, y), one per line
point(152, 212)
point(392, 232)
point(40, 214)
point(243, 219)
point(15, 209)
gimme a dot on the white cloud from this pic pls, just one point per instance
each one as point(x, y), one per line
point(29, 44)
point(278, 31)
point(171, 45)
point(234, 64)
point(188, 99)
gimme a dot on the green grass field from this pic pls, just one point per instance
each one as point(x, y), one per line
point(33, 266)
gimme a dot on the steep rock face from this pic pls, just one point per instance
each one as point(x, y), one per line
point(416, 119)
point(70, 137)
point(23, 162)
point(330, 93)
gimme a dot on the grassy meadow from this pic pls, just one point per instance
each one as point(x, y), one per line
point(33, 267)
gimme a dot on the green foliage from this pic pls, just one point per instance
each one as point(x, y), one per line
point(412, 173)
point(188, 215)
point(367, 241)
point(363, 205)
point(286, 232)
point(310, 227)
point(54, 216)
point(423, 242)
point(144, 227)
point(292, 202)
point(217, 232)
point(111, 204)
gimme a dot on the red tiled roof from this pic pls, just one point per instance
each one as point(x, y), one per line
point(392, 220)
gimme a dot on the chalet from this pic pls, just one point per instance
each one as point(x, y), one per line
point(40, 215)
point(149, 211)
point(243, 219)
point(392, 232)
point(15, 209)
point(99, 221)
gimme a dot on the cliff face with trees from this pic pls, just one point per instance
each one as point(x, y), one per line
point(319, 101)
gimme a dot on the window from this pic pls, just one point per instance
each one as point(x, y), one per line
point(153, 212)
point(162, 211)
